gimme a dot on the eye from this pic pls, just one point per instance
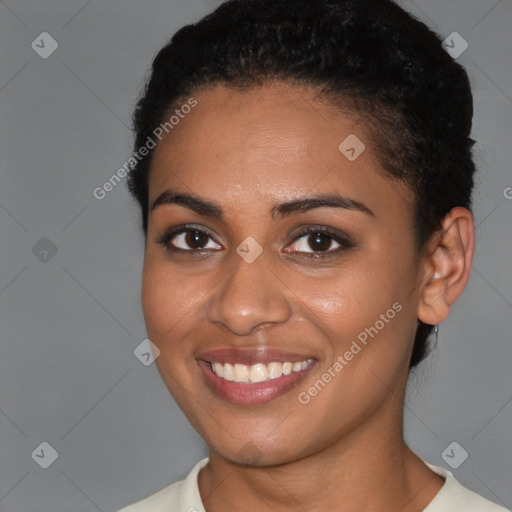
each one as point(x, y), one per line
point(319, 242)
point(189, 239)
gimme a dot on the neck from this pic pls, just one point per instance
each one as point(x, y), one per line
point(368, 469)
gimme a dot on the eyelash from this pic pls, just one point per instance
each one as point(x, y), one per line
point(344, 242)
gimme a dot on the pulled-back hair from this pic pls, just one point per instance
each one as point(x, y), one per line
point(369, 57)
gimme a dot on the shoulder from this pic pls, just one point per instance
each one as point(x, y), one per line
point(454, 497)
point(178, 497)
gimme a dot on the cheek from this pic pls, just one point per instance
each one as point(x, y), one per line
point(350, 292)
point(168, 301)
point(168, 297)
point(364, 295)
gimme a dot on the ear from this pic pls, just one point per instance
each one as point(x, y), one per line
point(447, 265)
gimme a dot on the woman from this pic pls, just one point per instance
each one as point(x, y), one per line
point(304, 172)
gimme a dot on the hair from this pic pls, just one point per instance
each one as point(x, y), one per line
point(369, 56)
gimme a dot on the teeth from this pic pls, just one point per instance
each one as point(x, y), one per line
point(258, 372)
point(218, 369)
point(275, 370)
point(241, 373)
point(229, 373)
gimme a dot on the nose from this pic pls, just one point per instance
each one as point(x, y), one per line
point(250, 297)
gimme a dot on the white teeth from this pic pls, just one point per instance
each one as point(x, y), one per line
point(297, 367)
point(241, 373)
point(229, 373)
point(258, 372)
point(275, 370)
point(218, 369)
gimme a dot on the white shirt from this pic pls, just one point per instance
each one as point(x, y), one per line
point(184, 496)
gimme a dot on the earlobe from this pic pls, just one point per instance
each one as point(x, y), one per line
point(433, 308)
point(447, 266)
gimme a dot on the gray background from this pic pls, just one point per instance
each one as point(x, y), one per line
point(70, 321)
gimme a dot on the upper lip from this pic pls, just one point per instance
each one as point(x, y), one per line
point(251, 355)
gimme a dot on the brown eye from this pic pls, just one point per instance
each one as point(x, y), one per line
point(189, 240)
point(316, 242)
point(319, 241)
point(196, 239)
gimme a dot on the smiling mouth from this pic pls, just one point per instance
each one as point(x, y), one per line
point(247, 382)
point(259, 372)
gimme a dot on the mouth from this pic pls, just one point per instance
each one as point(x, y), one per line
point(248, 377)
point(258, 372)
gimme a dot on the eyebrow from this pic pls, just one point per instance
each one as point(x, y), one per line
point(210, 209)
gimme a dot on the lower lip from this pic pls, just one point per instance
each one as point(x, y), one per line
point(251, 394)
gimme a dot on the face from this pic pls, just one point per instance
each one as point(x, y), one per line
point(280, 279)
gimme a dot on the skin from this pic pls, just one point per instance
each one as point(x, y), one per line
point(245, 152)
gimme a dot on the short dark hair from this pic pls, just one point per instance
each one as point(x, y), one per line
point(369, 56)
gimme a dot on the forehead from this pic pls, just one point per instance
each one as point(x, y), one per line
point(273, 142)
